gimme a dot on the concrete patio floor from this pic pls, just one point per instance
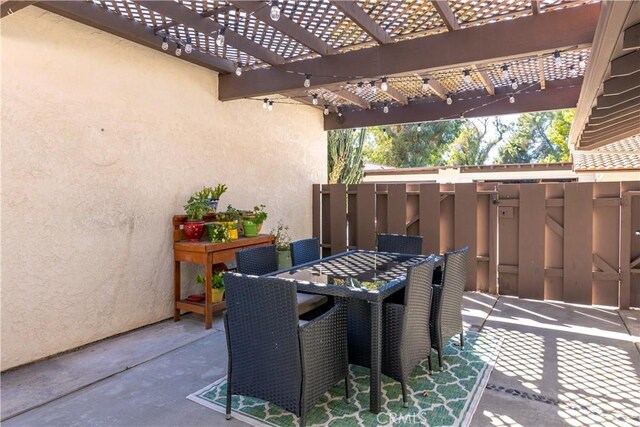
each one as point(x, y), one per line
point(559, 365)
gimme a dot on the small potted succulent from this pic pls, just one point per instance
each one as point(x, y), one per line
point(212, 195)
point(217, 286)
point(195, 209)
point(283, 239)
point(252, 220)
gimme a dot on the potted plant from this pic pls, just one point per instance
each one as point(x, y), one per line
point(218, 232)
point(283, 239)
point(217, 286)
point(233, 215)
point(260, 216)
point(212, 195)
point(195, 209)
point(252, 220)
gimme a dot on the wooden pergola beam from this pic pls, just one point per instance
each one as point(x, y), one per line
point(397, 95)
point(206, 14)
point(541, 75)
point(535, 6)
point(286, 26)
point(437, 88)
point(95, 16)
point(485, 79)
point(555, 97)
point(446, 14)
point(191, 18)
point(350, 97)
point(363, 20)
point(8, 7)
point(625, 65)
point(560, 29)
point(618, 85)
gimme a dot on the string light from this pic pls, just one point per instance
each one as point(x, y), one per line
point(238, 69)
point(384, 85)
point(220, 38)
point(270, 107)
point(425, 84)
point(275, 10)
point(179, 49)
point(265, 103)
point(374, 88)
point(505, 71)
point(359, 88)
point(449, 100)
point(512, 99)
point(419, 127)
point(165, 43)
point(467, 76)
point(307, 80)
point(572, 71)
point(314, 99)
point(557, 58)
point(339, 113)
point(326, 109)
point(582, 63)
point(384, 130)
point(385, 109)
point(462, 115)
point(188, 48)
point(514, 84)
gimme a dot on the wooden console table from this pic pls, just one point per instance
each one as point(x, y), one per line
point(208, 255)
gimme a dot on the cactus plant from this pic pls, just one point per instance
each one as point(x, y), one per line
point(346, 164)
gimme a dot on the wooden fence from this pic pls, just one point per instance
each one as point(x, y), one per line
point(572, 242)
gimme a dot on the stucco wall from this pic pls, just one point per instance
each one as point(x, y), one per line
point(102, 142)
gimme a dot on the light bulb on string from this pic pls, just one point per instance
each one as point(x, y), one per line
point(314, 99)
point(384, 130)
point(359, 88)
point(462, 115)
point(326, 109)
point(374, 88)
point(165, 43)
point(505, 71)
point(425, 85)
point(265, 103)
point(514, 84)
point(449, 100)
point(270, 107)
point(179, 49)
point(582, 63)
point(238, 69)
point(339, 113)
point(572, 71)
point(307, 80)
point(220, 38)
point(188, 48)
point(385, 109)
point(467, 76)
point(275, 10)
point(384, 85)
point(557, 58)
point(419, 127)
point(512, 99)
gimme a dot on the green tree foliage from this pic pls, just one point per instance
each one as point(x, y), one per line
point(538, 138)
point(407, 146)
point(345, 160)
point(474, 142)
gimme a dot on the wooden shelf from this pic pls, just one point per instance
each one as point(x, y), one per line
point(198, 307)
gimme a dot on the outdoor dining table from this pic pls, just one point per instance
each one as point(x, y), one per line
point(359, 275)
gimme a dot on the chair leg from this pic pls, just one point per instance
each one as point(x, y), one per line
point(429, 360)
point(303, 419)
point(440, 359)
point(405, 401)
point(228, 410)
point(461, 339)
point(347, 390)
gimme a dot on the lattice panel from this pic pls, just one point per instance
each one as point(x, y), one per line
point(326, 97)
point(453, 80)
point(411, 86)
point(570, 58)
point(368, 93)
point(400, 18)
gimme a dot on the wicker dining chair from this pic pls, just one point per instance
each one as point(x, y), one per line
point(264, 260)
point(405, 330)
point(271, 355)
point(303, 251)
point(398, 243)
point(446, 317)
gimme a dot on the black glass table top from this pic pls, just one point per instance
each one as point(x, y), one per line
point(357, 270)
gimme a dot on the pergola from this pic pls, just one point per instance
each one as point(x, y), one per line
point(375, 62)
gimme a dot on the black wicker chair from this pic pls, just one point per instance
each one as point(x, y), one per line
point(405, 331)
point(264, 260)
point(304, 251)
point(398, 243)
point(446, 316)
point(273, 357)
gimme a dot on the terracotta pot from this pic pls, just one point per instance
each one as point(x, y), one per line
point(194, 230)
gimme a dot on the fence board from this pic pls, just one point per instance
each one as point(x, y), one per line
point(315, 209)
point(397, 208)
point(338, 208)
point(578, 233)
point(430, 218)
point(483, 240)
point(381, 208)
point(606, 237)
point(465, 228)
point(531, 241)
point(365, 216)
point(508, 239)
point(554, 243)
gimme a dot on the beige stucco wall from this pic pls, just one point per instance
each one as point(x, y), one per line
point(102, 142)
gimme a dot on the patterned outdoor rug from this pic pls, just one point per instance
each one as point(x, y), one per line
point(447, 398)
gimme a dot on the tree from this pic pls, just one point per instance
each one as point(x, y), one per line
point(345, 148)
point(411, 145)
point(475, 141)
point(538, 138)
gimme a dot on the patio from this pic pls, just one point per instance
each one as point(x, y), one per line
point(559, 365)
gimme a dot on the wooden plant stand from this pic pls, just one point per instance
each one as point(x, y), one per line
point(207, 254)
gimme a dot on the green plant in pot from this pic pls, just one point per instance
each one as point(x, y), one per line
point(218, 232)
point(217, 286)
point(283, 239)
point(195, 209)
point(252, 220)
point(212, 195)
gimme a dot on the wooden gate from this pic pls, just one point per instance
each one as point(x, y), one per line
point(572, 242)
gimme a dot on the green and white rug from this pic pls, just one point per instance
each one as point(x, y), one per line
point(447, 398)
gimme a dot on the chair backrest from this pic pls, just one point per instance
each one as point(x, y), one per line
point(304, 251)
point(417, 302)
point(453, 281)
point(398, 243)
point(262, 333)
point(257, 261)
